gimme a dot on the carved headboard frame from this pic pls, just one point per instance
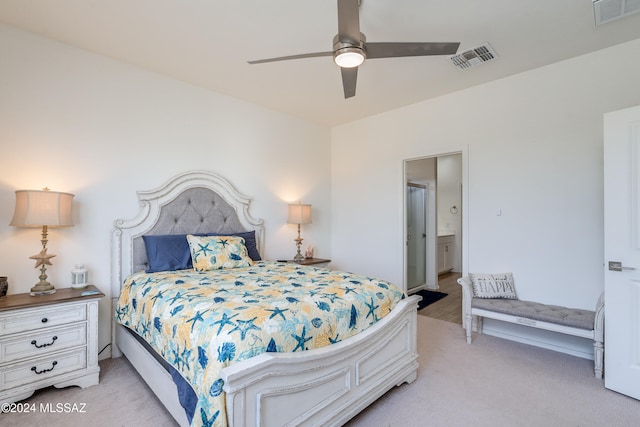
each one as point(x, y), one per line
point(162, 212)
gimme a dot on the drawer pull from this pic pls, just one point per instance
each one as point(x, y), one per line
point(53, 365)
point(44, 320)
point(53, 340)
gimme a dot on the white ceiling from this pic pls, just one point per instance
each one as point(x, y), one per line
point(208, 42)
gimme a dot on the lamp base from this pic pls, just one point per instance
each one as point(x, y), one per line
point(39, 289)
point(298, 257)
point(43, 287)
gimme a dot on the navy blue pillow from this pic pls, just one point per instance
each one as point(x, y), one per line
point(170, 252)
point(167, 252)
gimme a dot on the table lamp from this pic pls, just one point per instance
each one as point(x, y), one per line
point(42, 208)
point(299, 214)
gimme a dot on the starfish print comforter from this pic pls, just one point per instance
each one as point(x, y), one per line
point(201, 322)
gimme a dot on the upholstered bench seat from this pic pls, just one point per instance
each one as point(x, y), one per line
point(570, 321)
point(582, 319)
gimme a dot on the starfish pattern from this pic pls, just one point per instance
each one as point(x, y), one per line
point(42, 258)
point(245, 326)
point(176, 297)
point(195, 318)
point(204, 249)
point(158, 296)
point(372, 310)
point(277, 311)
point(301, 339)
point(226, 320)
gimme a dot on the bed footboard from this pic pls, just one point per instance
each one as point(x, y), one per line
point(325, 386)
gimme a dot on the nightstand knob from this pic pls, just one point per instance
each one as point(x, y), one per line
point(44, 320)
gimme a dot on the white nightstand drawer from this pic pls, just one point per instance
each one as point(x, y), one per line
point(42, 368)
point(41, 342)
point(49, 340)
point(27, 320)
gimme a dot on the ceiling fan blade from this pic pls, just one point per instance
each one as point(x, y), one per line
point(286, 58)
point(395, 50)
point(349, 78)
point(349, 21)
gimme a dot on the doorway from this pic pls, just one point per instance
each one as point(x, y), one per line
point(433, 220)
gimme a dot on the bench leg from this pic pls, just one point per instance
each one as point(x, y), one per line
point(479, 324)
point(598, 357)
point(468, 324)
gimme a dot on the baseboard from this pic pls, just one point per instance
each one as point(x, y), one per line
point(568, 344)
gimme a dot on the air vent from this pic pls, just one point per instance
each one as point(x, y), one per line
point(609, 10)
point(475, 56)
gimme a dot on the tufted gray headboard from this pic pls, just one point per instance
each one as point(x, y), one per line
point(196, 210)
point(192, 202)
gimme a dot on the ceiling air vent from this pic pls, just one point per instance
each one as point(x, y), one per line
point(475, 56)
point(608, 10)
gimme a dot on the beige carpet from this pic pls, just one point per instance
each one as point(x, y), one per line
point(493, 382)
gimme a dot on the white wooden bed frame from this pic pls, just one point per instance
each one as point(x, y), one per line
point(325, 386)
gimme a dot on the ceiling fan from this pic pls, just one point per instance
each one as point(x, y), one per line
point(350, 47)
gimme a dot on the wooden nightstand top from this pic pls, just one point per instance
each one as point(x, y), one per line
point(11, 302)
point(312, 261)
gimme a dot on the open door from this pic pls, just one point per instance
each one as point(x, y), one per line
point(420, 242)
point(417, 212)
point(622, 251)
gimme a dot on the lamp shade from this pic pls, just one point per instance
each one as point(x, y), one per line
point(299, 214)
point(35, 208)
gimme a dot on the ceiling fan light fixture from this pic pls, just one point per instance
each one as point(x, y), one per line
point(349, 57)
point(350, 47)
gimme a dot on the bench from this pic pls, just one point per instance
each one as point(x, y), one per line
point(570, 321)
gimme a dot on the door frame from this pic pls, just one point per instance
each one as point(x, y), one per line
point(464, 152)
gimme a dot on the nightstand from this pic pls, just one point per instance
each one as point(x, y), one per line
point(48, 340)
point(315, 262)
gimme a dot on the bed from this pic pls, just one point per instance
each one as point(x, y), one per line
point(320, 386)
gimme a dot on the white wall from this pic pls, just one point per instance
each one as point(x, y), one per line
point(101, 129)
point(532, 148)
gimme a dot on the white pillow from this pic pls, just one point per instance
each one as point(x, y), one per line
point(493, 285)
